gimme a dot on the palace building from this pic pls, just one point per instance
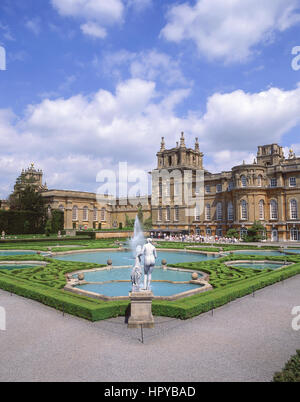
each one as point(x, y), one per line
point(268, 191)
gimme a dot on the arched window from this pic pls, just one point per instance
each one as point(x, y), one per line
point(243, 181)
point(85, 213)
point(95, 214)
point(293, 209)
point(273, 209)
point(207, 212)
point(75, 213)
point(261, 210)
point(219, 211)
point(259, 180)
point(230, 215)
point(244, 210)
point(103, 214)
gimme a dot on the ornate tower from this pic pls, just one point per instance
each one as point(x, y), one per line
point(180, 157)
point(31, 177)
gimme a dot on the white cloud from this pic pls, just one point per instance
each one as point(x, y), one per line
point(72, 138)
point(111, 10)
point(93, 29)
point(139, 5)
point(229, 30)
point(95, 14)
point(34, 25)
point(150, 65)
point(238, 120)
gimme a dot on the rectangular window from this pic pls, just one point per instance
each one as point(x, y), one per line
point(207, 189)
point(293, 182)
point(159, 214)
point(168, 213)
point(273, 182)
point(219, 188)
point(176, 214)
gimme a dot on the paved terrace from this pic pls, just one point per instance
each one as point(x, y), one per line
point(246, 340)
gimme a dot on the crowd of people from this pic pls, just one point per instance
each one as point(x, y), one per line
point(195, 238)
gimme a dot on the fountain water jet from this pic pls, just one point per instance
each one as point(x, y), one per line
point(138, 238)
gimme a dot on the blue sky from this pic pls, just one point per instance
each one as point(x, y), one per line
point(89, 83)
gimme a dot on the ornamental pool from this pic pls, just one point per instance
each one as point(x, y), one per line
point(6, 253)
point(122, 288)
point(10, 267)
point(120, 258)
point(122, 274)
point(256, 265)
point(258, 252)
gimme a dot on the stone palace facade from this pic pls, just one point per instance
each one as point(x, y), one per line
point(268, 191)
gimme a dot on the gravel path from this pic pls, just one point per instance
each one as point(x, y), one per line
point(246, 340)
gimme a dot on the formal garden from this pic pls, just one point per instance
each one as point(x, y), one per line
point(37, 258)
point(45, 283)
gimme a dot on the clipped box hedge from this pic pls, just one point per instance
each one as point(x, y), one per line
point(94, 310)
point(80, 306)
point(201, 303)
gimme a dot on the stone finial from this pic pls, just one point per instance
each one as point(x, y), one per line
point(162, 145)
point(177, 144)
point(197, 144)
point(182, 141)
point(292, 154)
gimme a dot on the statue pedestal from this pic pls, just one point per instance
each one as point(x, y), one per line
point(141, 309)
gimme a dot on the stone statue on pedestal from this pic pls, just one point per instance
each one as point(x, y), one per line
point(150, 255)
point(136, 273)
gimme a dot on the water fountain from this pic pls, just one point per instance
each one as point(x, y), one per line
point(138, 238)
point(141, 300)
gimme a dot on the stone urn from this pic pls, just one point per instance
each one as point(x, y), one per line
point(80, 277)
point(195, 276)
point(164, 263)
point(38, 252)
point(109, 263)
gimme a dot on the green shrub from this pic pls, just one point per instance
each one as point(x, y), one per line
point(291, 371)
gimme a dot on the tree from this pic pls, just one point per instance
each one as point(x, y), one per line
point(233, 233)
point(27, 199)
point(48, 228)
point(57, 220)
point(129, 222)
point(256, 233)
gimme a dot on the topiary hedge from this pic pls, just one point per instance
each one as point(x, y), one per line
point(203, 302)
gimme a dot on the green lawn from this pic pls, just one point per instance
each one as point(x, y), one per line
point(60, 246)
